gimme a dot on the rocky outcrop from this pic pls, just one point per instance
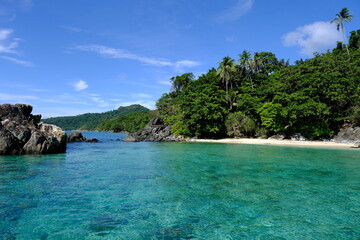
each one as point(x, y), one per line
point(298, 137)
point(78, 137)
point(22, 133)
point(155, 131)
point(277, 137)
point(348, 135)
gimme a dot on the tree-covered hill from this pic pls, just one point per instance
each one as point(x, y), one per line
point(131, 122)
point(261, 95)
point(90, 121)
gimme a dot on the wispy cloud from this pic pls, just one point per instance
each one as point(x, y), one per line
point(80, 85)
point(65, 102)
point(100, 102)
point(72, 29)
point(122, 54)
point(17, 61)
point(38, 90)
point(7, 45)
point(8, 8)
point(140, 95)
point(26, 5)
point(181, 65)
point(231, 39)
point(315, 37)
point(16, 98)
point(236, 11)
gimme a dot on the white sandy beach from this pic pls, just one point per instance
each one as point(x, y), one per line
point(331, 144)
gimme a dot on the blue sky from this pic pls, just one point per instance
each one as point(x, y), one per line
point(72, 57)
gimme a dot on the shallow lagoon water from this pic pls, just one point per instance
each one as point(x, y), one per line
point(118, 190)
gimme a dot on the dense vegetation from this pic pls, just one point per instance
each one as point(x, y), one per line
point(262, 95)
point(131, 122)
point(90, 121)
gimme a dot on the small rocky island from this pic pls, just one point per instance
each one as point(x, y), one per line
point(22, 132)
point(154, 131)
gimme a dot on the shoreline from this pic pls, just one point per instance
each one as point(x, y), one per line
point(259, 141)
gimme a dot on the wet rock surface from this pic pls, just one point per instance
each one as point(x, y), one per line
point(22, 133)
point(155, 131)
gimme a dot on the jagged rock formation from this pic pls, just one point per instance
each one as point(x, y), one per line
point(155, 131)
point(78, 137)
point(348, 135)
point(22, 133)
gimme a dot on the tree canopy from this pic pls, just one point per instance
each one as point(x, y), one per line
point(263, 95)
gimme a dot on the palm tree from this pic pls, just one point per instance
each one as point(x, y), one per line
point(256, 63)
point(343, 16)
point(245, 63)
point(226, 71)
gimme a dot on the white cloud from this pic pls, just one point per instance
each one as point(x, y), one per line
point(4, 33)
point(16, 98)
point(38, 90)
point(236, 11)
point(80, 85)
point(315, 37)
point(122, 54)
point(7, 45)
point(186, 63)
point(17, 61)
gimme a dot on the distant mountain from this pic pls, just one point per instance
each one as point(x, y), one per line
point(89, 121)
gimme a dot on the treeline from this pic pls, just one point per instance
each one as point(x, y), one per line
point(260, 95)
point(93, 121)
point(131, 122)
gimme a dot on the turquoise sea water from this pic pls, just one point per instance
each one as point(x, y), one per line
point(118, 190)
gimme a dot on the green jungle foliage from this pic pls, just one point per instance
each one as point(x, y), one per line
point(90, 121)
point(261, 95)
point(131, 122)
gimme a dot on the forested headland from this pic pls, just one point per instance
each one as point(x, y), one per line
point(260, 95)
point(98, 121)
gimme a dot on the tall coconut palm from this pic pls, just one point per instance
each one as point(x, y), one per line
point(245, 64)
point(343, 16)
point(226, 71)
point(256, 63)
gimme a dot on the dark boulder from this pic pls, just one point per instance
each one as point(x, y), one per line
point(154, 131)
point(75, 137)
point(78, 137)
point(22, 133)
point(92, 140)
